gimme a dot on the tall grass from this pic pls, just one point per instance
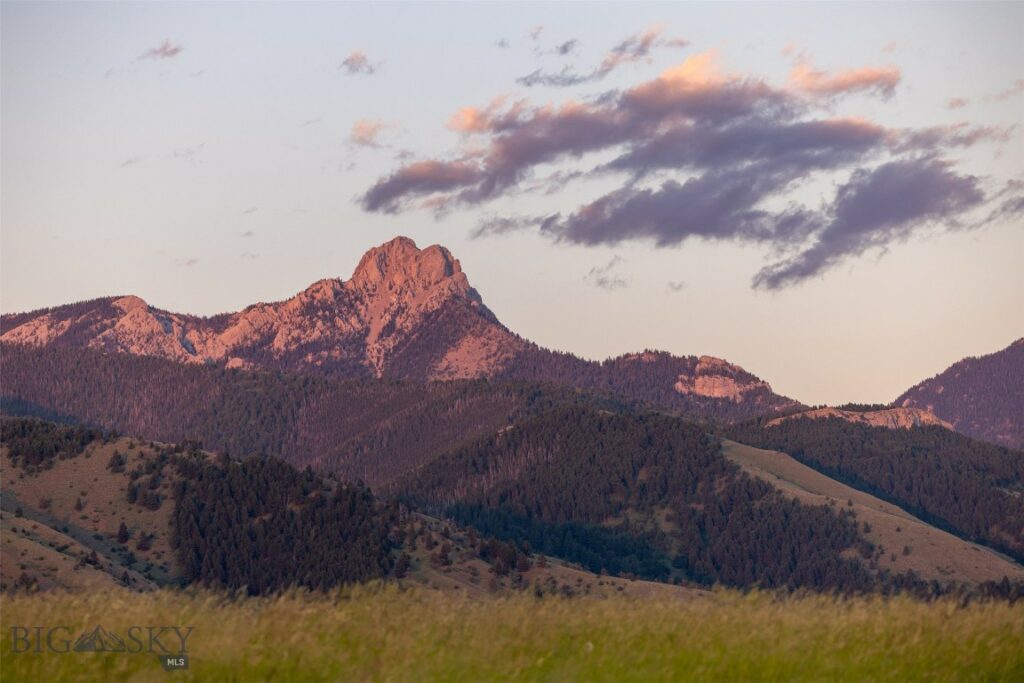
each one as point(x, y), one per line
point(384, 634)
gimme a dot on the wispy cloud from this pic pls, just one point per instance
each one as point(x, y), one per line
point(607, 276)
point(165, 50)
point(366, 132)
point(806, 79)
point(957, 103)
point(566, 48)
point(1016, 89)
point(358, 63)
point(633, 49)
point(674, 286)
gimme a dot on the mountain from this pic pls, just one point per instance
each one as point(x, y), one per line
point(406, 313)
point(377, 323)
point(981, 397)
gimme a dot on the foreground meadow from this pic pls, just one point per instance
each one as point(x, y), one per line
point(384, 634)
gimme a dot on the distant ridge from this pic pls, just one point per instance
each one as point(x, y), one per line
point(982, 397)
point(406, 313)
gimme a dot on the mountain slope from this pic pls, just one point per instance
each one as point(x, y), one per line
point(981, 397)
point(646, 494)
point(902, 542)
point(406, 313)
point(971, 488)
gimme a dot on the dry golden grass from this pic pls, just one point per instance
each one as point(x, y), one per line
point(384, 634)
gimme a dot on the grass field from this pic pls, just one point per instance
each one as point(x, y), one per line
point(383, 634)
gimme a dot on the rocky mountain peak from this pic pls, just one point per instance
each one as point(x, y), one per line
point(400, 265)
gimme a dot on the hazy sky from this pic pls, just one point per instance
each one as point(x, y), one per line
point(829, 195)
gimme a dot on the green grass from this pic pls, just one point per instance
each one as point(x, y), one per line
point(383, 634)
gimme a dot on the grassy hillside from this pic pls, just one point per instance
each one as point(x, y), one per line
point(392, 635)
point(971, 488)
point(189, 516)
point(901, 541)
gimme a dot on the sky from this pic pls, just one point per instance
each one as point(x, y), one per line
point(830, 195)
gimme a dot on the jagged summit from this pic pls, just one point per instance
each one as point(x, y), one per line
point(405, 313)
point(400, 262)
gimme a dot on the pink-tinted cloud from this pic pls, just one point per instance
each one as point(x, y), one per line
point(1016, 89)
point(708, 154)
point(358, 63)
point(957, 102)
point(806, 79)
point(164, 50)
point(366, 132)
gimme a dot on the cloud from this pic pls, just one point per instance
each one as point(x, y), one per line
point(567, 47)
point(188, 263)
point(358, 63)
point(877, 207)
point(248, 233)
point(957, 103)
point(701, 153)
point(674, 286)
point(421, 177)
point(633, 49)
point(502, 43)
point(165, 50)
point(365, 132)
point(1015, 89)
point(536, 31)
point(806, 79)
point(606, 276)
point(499, 225)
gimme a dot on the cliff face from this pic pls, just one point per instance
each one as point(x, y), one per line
point(891, 418)
point(348, 327)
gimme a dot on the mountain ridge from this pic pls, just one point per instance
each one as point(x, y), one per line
point(980, 396)
point(405, 313)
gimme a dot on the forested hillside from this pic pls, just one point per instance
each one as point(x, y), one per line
point(255, 523)
point(971, 488)
point(358, 429)
point(982, 397)
point(645, 494)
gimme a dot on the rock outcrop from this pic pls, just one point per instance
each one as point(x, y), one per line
point(891, 418)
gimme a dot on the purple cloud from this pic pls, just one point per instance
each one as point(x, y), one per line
point(714, 156)
point(633, 49)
